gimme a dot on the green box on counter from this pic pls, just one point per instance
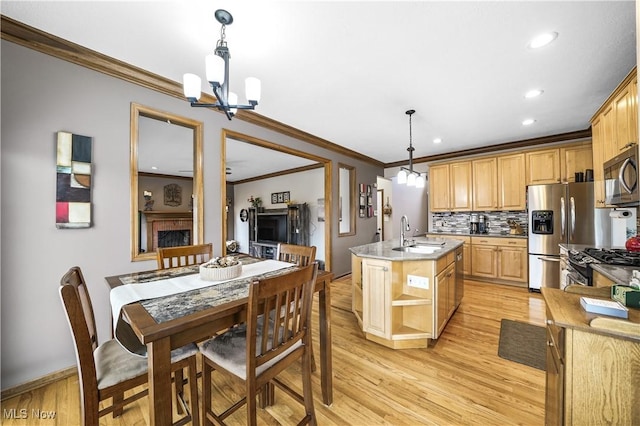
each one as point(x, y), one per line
point(628, 296)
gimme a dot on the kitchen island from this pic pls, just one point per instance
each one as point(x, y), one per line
point(404, 295)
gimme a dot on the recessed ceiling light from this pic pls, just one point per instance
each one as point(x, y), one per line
point(533, 93)
point(154, 168)
point(528, 122)
point(543, 40)
point(437, 140)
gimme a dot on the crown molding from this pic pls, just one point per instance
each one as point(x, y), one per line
point(43, 42)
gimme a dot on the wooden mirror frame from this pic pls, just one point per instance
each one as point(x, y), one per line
point(327, 165)
point(137, 111)
point(352, 198)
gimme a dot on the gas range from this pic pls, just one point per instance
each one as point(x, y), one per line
point(580, 262)
point(619, 257)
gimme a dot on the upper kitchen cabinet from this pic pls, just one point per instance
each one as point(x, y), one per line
point(511, 182)
point(597, 146)
point(499, 183)
point(460, 181)
point(485, 184)
point(576, 158)
point(543, 166)
point(614, 127)
point(439, 187)
point(626, 116)
point(450, 186)
point(618, 118)
point(559, 164)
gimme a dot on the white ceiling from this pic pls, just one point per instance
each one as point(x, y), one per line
point(347, 71)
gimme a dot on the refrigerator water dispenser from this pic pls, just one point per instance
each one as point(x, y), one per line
point(542, 221)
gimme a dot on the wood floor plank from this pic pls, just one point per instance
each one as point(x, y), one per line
point(460, 380)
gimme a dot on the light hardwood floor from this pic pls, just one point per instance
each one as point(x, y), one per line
point(459, 381)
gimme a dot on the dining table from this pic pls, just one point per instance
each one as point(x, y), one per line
point(168, 322)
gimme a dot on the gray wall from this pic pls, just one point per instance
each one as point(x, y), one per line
point(42, 95)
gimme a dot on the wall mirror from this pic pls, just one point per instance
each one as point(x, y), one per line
point(166, 181)
point(255, 167)
point(346, 202)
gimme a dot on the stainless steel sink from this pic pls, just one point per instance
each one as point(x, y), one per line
point(429, 243)
point(419, 249)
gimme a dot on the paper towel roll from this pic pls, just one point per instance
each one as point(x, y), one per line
point(619, 214)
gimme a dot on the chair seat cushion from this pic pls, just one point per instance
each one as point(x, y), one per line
point(114, 364)
point(229, 350)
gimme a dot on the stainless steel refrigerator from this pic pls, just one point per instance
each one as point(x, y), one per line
point(561, 213)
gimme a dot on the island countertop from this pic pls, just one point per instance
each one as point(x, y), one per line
point(384, 249)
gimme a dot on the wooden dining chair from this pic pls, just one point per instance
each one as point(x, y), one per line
point(108, 370)
point(171, 257)
point(300, 255)
point(257, 351)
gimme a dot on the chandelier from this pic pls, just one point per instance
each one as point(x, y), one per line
point(408, 175)
point(217, 72)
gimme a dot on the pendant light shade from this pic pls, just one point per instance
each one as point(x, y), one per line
point(402, 177)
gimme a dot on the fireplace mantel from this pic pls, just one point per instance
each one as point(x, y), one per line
point(158, 220)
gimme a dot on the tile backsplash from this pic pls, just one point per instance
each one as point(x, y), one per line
point(496, 221)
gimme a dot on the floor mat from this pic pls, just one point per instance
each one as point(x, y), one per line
point(523, 343)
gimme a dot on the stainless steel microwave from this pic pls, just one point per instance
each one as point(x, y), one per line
point(621, 179)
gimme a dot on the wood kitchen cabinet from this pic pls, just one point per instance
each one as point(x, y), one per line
point(593, 364)
point(598, 149)
point(626, 116)
point(543, 166)
point(499, 183)
point(450, 186)
point(397, 311)
point(503, 259)
point(511, 182)
point(558, 164)
point(376, 297)
point(460, 186)
point(439, 188)
point(576, 158)
point(615, 124)
point(445, 297)
point(485, 184)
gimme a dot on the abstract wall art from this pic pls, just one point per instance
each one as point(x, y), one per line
point(73, 185)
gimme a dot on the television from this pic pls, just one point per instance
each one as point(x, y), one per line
point(271, 228)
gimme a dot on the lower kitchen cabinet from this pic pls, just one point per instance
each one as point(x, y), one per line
point(498, 258)
point(445, 297)
point(593, 364)
point(397, 312)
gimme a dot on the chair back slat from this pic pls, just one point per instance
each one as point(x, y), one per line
point(172, 257)
point(77, 305)
point(285, 303)
point(300, 255)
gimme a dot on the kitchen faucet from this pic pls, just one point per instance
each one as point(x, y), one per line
point(404, 226)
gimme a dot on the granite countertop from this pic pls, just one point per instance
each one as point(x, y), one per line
point(468, 234)
point(619, 274)
point(384, 250)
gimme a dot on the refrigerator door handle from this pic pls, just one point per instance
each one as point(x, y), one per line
point(563, 217)
point(549, 259)
point(572, 212)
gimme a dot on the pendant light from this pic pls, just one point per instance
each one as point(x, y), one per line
point(407, 175)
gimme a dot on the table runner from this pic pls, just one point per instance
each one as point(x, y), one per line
point(185, 286)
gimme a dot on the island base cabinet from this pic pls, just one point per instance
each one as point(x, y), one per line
point(376, 296)
point(396, 304)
